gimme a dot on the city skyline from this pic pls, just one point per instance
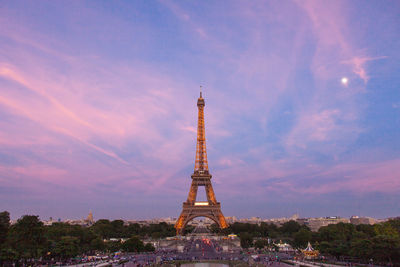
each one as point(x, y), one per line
point(98, 107)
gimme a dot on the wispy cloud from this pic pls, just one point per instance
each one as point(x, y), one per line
point(358, 65)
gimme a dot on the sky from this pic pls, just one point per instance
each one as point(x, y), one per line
point(98, 107)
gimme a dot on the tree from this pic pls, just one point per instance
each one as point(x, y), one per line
point(27, 237)
point(156, 235)
point(290, 227)
point(149, 247)
point(133, 229)
point(103, 228)
point(97, 244)
point(118, 229)
point(386, 229)
point(301, 238)
point(260, 243)
point(339, 248)
point(4, 226)
point(395, 223)
point(5, 252)
point(113, 246)
point(340, 231)
point(246, 240)
point(366, 229)
point(67, 247)
point(8, 254)
point(324, 247)
point(386, 248)
point(84, 235)
point(361, 248)
point(269, 230)
point(133, 244)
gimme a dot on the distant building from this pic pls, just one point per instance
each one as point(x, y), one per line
point(315, 223)
point(168, 220)
point(302, 221)
point(82, 222)
point(252, 220)
point(49, 222)
point(89, 220)
point(231, 220)
point(295, 217)
point(362, 220)
point(279, 221)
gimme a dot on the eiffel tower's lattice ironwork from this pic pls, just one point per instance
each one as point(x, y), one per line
point(201, 163)
point(200, 177)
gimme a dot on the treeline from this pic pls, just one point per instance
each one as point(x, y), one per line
point(117, 229)
point(292, 232)
point(28, 238)
point(380, 242)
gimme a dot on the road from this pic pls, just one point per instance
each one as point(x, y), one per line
point(204, 249)
point(198, 250)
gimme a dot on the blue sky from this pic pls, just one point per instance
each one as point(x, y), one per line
point(98, 107)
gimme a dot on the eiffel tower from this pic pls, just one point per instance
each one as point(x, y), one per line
point(201, 177)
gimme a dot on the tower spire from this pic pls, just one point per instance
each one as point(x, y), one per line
point(201, 163)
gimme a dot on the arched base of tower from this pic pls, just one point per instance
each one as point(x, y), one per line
point(191, 211)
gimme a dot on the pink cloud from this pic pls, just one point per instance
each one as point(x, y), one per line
point(335, 128)
point(64, 105)
point(64, 118)
point(358, 64)
point(361, 178)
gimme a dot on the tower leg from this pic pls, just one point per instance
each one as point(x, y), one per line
point(222, 222)
point(210, 194)
point(192, 193)
point(180, 223)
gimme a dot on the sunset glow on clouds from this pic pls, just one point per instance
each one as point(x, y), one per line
point(98, 107)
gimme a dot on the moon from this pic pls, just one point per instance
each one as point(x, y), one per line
point(344, 81)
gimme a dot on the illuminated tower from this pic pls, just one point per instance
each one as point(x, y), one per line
point(201, 177)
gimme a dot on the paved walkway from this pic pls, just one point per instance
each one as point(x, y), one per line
point(313, 264)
